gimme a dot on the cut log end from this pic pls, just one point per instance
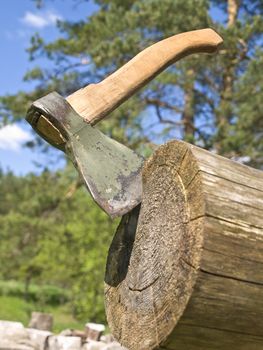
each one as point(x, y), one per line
point(185, 269)
point(166, 248)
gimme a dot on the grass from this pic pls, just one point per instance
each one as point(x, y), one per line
point(16, 309)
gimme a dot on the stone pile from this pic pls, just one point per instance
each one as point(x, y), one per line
point(14, 336)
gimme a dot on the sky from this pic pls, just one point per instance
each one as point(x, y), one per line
point(19, 20)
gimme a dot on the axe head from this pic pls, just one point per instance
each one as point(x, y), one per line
point(110, 170)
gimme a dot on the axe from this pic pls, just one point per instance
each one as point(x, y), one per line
point(110, 170)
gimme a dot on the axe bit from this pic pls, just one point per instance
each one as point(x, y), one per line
point(110, 170)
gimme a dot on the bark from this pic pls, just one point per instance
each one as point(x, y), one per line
point(232, 10)
point(188, 113)
point(225, 112)
point(184, 271)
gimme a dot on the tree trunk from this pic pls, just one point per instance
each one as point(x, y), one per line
point(27, 284)
point(188, 112)
point(224, 112)
point(232, 10)
point(185, 271)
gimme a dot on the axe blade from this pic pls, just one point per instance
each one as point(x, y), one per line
point(110, 170)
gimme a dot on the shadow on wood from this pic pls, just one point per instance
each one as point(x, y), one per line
point(121, 248)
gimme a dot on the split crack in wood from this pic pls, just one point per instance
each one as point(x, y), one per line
point(143, 288)
point(232, 278)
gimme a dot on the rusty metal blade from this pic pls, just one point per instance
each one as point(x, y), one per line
point(110, 170)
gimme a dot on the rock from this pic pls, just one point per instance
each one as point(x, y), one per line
point(13, 331)
point(60, 342)
point(114, 346)
point(94, 331)
point(98, 345)
point(93, 345)
point(41, 321)
point(66, 332)
point(13, 336)
point(107, 338)
point(10, 345)
point(40, 338)
point(77, 333)
point(73, 333)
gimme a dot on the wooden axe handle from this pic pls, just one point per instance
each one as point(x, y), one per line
point(96, 101)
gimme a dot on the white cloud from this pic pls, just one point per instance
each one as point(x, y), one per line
point(40, 20)
point(12, 137)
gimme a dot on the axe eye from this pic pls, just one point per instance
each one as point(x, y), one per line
point(50, 132)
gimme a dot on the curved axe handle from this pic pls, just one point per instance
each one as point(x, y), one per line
point(95, 101)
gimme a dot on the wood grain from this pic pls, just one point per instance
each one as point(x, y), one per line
point(193, 272)
point(96, 101)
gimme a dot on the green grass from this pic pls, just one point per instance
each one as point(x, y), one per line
point(16, 309)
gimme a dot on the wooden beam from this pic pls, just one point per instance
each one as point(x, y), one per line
point(186, 270)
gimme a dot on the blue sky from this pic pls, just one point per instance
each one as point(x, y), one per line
point(19, 20)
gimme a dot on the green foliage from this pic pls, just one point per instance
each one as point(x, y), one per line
point(42, 295)
point(54, 234)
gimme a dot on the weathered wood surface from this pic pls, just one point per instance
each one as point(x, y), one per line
point(41, 321)
point(186, 271)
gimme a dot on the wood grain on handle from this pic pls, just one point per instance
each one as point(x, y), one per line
point(95, 101)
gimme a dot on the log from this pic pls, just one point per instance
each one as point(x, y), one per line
point(185, 271)
point(41, 321)
point(94, 331)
